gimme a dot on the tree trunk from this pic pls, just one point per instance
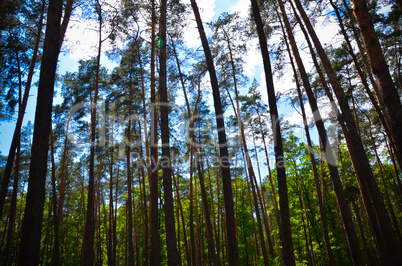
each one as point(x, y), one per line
point(379, 219)
point(387, 94)
point(60, 203)
point(213, 258)
point(233, 251)
point(129, 182)
point(263, 204)
point(171, 243)
point(269, 169)
point(188, 257)
point(56, 242)
point(285, 230)
point(6, 258)
point(354, 246)
point(88, 255)
point(111, 258)
point(310, 249)
point(213, 213)
point(147, 159)
point(33, 217)
point(321, 203)
point(155, 258)
point(250, 170)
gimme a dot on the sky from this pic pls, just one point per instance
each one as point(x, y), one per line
point(81, 42)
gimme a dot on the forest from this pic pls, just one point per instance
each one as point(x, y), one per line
point(164, 148)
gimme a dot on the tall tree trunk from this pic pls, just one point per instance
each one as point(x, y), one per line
point(129, 182)
point(171, 243)
point(155, 258)
point(263, 204)
point(88, 255)
point(144, 201)
point(56, 242)
point(6, 258)
point(214, 224)
point(369, 257)
point(285, 230)
point(379, 219)
point(191, 212)
point(188, 257)
point(60, 203)
point(250, 170)
point(354, 246)
point(33, 216)
point(213, 257)
point(269, 168)
point(111, 258)
point(147, 159)
point(321, 203)
point(382, 174)
point(310, 249)
point(233, 251)
point(190, 116)
point(387, 94)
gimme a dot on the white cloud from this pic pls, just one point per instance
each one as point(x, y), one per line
point(242, 7)
point(207, 9)
point(82, 39)
point(82, 35)
point(328, 32)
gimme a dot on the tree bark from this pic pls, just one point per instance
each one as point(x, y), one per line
point(171, 243)
point(188, 257)
point(233, 251)
point(321, 203)
point(379, 219)
point(111, 257)
point(129, 182)
point(33, 216)
point(56, 242)
point(155, 258)
point(285, 230)
point(88, 255)
point(340, 195)
point(388, 96)
point(146, 160)
point(250, 171)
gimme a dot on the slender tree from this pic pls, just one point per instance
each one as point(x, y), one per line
point(155, 258)
point(233, 252)
point(88, 255)
point(342, 203)
point(171, 243)
point(387, 94)
point(285, 230)
point(33, 216)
